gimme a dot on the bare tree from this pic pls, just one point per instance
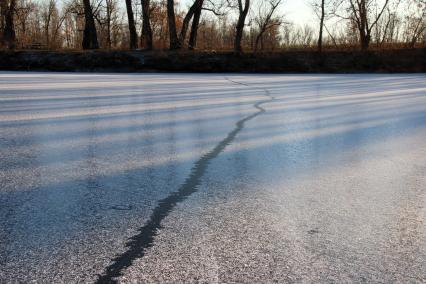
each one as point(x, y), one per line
point(321, 26)
point(24, 17)
point(159, 24)
point(319, 9)
point(29, 23)
point(146, 38)
point(109, 20)
point(90, 38)
point(132, 27)
point(215, 7)
point(298, 36)
point(239, 28)
point(171, 20)
point(3, 9)
point(324, 11)
point(384, 31)
point(194, 28)
point(9, 35)
point(365, 14)
point(193, 11)
point(185, 24)
point(74, 22)
point(48, 13)
point(265, 20)
point(416, 22)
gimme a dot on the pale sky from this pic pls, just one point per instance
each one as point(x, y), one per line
point(298, 11)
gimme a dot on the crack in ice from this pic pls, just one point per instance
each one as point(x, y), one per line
point(138, 244)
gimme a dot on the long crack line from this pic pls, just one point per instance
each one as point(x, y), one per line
point(138, 244)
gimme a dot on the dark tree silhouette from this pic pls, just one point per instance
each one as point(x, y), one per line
point(243, 11)
point(9, 35)
point(132, 27)
point(90, 38)
point(194, 28)
point(265, 21)
point(321, 27)
point(171, 20)
point(361, 13)
point(146, 38)
point(187, 19)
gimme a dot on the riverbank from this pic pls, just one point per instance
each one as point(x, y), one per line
point(376, 61)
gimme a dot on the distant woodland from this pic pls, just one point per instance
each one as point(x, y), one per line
point(209, 25)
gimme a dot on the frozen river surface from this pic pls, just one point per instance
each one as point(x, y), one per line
point(212, 178)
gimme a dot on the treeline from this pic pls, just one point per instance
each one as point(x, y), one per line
point(237, 25)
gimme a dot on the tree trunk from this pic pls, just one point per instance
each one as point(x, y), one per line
point(321, 26)
point(360, 11)
point(109, 12)
point(47, 37)
point(257, 41)
point(90, 39)
point(365, 40)
point(171, 20)
point(132, 27)
point(46, 28)
point(3, 8)
point(364, 27)
point(186, 20)
point(417, 32)
point(194, 28)
point(146, 38)
point(9, 35)
point(240, 25)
